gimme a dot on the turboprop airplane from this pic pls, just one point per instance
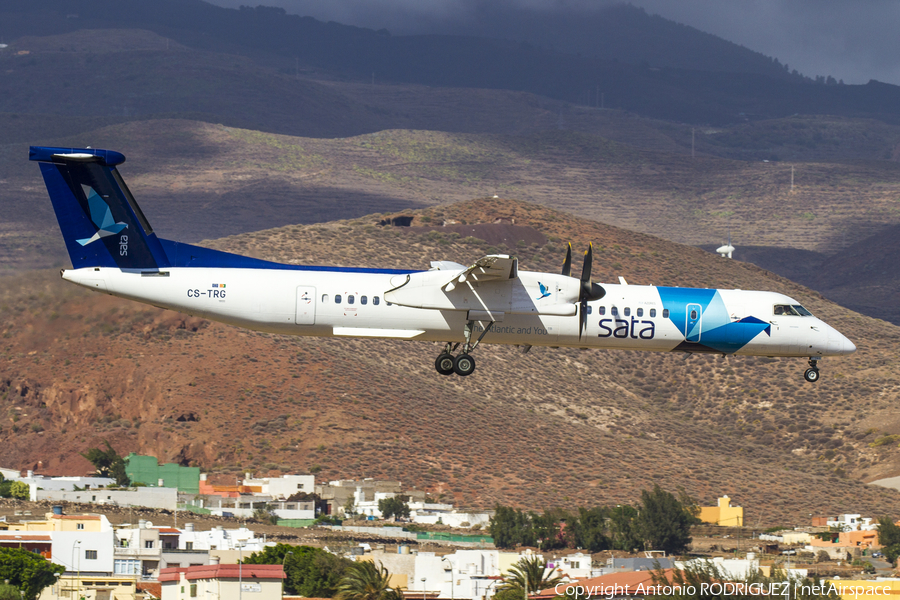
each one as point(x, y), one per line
point(114, 250)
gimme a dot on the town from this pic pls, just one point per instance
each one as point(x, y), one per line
point(95, 542)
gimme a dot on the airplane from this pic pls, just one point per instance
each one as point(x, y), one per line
point(114, 250)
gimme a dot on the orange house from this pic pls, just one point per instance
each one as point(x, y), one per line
point(847, 539)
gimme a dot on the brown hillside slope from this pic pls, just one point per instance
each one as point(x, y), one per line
point(197, 181)
point(552, 427)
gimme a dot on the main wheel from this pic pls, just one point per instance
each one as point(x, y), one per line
point(444, 364)
point(464, 365)
point(811, 375)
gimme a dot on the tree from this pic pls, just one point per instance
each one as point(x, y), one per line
point(623, 528)
point(393, 507)
point(889, 538)
point(15, 489)
point(511, 527)
point(350, 508)
point(9, 592)
point(530, 574)
point(589, 529)
point(364, 581)
point(548, 528)
point(310, 572)
point(663, 522)
point(108, 464)
point(265, 515)
point(28, 571)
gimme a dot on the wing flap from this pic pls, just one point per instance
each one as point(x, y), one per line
point(493, 267)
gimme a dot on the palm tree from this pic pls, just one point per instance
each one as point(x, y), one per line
point(530, 574)
point(364, 581)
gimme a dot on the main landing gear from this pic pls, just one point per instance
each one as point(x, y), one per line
point(812, 373)
point(462, 364)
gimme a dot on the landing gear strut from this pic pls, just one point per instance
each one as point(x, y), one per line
point(463, 364)
point(812, 373)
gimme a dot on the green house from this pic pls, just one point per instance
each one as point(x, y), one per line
point(147, 470)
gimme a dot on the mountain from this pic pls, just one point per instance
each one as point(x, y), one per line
point(734, 90)
point(551, 427)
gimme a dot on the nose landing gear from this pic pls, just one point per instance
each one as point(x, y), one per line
point(463, 364)
point(812, 373)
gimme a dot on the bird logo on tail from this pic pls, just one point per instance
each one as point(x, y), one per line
point(101, 216)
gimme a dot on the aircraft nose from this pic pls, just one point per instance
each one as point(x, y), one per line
point(838, 344)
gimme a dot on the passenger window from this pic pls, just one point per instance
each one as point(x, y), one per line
point(627, 312)
point(614, 311)
point(351, 299)
point(652, 312)
point(337, 298)
point(324, 298)
point(601, 310)
point(363, 300)
point(665, 313)
point(388, 303)
point(640, 312)
point(693, 314)
point(590, 309)
point(376, 300)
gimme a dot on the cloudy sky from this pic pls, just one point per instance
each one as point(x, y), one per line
point(853, 40)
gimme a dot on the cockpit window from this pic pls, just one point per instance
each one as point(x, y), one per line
point(792, 310)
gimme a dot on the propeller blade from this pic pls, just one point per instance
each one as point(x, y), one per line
point(567, 266)
point(588, 260)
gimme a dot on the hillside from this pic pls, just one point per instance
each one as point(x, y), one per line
point(735, 86)
point(552, 427)
point(194, 179)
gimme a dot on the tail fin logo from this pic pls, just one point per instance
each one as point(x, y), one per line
point(101, 216)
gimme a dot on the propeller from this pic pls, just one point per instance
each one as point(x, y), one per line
point(589, 291)
point(567, 266)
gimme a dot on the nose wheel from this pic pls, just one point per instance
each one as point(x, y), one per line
point(463, 364)
point(812, 373)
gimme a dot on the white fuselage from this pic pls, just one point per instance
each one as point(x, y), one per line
point(327, 303)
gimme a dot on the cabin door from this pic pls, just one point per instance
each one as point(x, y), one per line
point(693, 322)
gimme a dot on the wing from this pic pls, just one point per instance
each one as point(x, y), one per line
point(494, 267)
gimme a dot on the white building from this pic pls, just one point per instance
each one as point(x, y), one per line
point(369, 508)
point(220, 539)
point(84, 551)
point(576, 566)
point(852, 523)
point(281, 488)
point(149, 497)
point(293, 510)
point(463, 574)
point(41, 482)
point(434, 513)
point(139, 549)
point(223, 582)
point(10, 473)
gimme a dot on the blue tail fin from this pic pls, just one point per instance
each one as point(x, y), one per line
point(100, 221)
